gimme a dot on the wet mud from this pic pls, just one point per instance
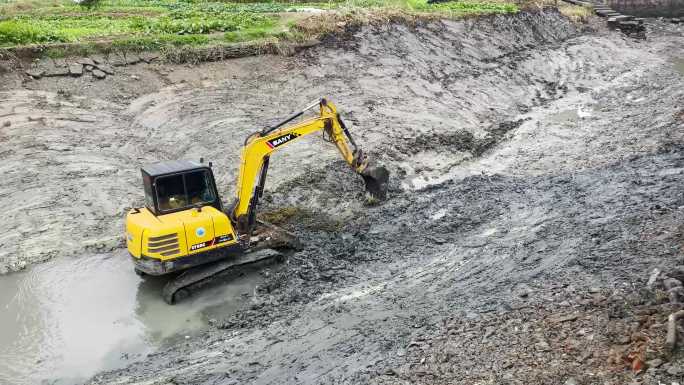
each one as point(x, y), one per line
point(65, 320)
point(532, 159)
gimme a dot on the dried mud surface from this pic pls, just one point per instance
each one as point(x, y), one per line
point(538, 173)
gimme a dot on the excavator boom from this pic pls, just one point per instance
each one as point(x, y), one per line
point(258, 147)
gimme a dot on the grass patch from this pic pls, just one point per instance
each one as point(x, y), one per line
point(576, 13)
point(21, 30)
point(165, 24)
point(196, 23)
point(14, 32)
point(249, 34)
point(25, 30)
point(468, 8)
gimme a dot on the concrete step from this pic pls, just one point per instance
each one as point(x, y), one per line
point(604, 13)
point(623, 18)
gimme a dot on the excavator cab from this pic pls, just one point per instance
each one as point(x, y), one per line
point(182, 221)
point(179, 185)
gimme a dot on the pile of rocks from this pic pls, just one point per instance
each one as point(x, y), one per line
point(673, 20)
point(556, 334)
point(630, 25)
point(98, 67)
point(671, 283)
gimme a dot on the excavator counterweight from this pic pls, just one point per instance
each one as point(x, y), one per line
point(185, 227)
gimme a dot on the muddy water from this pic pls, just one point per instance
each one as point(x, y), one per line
point(66, 320)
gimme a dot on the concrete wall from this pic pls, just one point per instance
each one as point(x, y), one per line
point(648, 8)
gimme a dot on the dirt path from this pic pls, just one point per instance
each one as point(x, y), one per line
point(536, 168)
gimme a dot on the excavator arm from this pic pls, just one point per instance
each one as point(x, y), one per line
point(258, 147)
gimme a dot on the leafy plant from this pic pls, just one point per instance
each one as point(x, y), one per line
point(87, 3)
point(195, 24)
point(20, 32)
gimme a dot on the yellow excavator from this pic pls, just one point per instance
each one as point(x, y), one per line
point(185, 228)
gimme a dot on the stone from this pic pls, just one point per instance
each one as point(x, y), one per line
point(7, 123)
point(99, 74)
point(76, 69)
point(562, 319)
point(35, 73)
point(149, 57)
point(652, 278)
point(604, 12)
point(624, 340)
point(86, 61)
point(543, 346)
point(57, 71)
point(676, 294)
point(98, 59)
point(677, 273)
point(117, 62)
point(571, 381)
point(132, 59)
point(624, 18)
point(89, 68)
point(106, 69)
point(671, 283)
point(655, 363)
point(675, 370)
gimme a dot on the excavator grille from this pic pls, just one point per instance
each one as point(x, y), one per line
point(166, 245)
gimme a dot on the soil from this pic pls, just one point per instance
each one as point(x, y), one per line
point(537, 172)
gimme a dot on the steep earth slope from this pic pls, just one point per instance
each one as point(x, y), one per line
point(535, 167)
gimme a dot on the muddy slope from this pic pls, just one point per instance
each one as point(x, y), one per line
point(72, 147)
point(532, 162)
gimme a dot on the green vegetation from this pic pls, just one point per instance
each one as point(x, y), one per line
point(470, 8)
point(158, 24)
point(576, 13)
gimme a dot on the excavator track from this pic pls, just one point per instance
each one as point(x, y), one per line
point(264, 241)
point(181, 286)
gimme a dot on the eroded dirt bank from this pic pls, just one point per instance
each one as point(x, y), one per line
point(79, 142)
point(538, 174)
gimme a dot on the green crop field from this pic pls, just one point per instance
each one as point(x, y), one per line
point(168, 24)
point(174, 22)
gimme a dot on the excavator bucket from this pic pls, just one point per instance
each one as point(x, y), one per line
point(376, 179)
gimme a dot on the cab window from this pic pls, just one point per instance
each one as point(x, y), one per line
point(199, 187)
point(149, 196)
point(177, 192)
point(171, 192)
